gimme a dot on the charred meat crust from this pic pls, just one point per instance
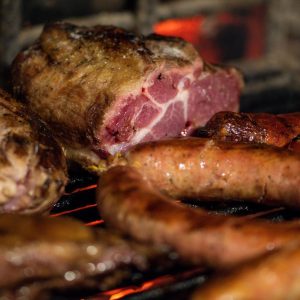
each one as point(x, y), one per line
point(130, 204)
point(212, 170)
point(277, 130)
point(33, 166)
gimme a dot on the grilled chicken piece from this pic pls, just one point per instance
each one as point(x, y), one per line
point(276, 130)
point(103, 89)
point(130, 204)
point(61, 252)
point(32, 165)
point(211, 170)
point(275, 277)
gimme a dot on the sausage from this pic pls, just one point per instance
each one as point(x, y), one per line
point(206, 169)
point(62, 252)
point(276, 130)
point(130, 204)
point(275, 277)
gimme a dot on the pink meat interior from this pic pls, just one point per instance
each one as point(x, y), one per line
point(169, 104)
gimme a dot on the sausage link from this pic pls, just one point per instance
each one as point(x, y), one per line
point(277, 130)
point(206, 169)
point(275, 277)
point(129, 203)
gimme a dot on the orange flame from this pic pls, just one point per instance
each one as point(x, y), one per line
point(89, 187)
point(163, 280)
point(66, 212)
point(93, 223)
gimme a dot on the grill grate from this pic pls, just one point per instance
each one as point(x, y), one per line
point(79, 202)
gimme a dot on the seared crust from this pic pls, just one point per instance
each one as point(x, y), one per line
point(129, 203)
point(277, 130)
point(72, 74)
point(32, 164)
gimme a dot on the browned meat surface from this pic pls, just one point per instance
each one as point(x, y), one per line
point(294, 145)
point(103, 89)
point(130, 204)
point(275, 277)
point(32, 165)
point(60, 252)
point(277, 130)
point(206, 169)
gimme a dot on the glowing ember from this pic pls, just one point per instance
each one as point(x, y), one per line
point(86, 188)
point(264, 213)
point(147, 285)
point(188, 29)
point(67, 212)
point(94, 223)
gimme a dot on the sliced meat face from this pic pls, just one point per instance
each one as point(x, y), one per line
point(103, 89)
point(32, 164)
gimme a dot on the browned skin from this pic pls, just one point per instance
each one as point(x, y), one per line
point(206, 169)
point(73, 74)
point(129, 203)
point(294, 145)
point(277, 130)
point(275, 277)
point(41, 250)
point(32, 165)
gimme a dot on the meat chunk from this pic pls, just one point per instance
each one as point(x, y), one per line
point(61, 252)
point(129, 203)
point(206, 169)
point(277, 130)
point(103, 89)
point(32, 165)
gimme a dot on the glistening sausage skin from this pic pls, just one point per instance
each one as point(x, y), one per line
point(206, 169)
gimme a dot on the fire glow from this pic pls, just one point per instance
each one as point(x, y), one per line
point(86, 188)
point(68, 212)
point(147, 285)
point(222, 36)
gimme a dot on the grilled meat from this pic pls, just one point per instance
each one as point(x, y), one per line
point(32, 165)
point(294, 145)
point(130, 204)
point(275, 277)
point(205, 169)
point(277, 130)
point(103, 89)
point(61, 252)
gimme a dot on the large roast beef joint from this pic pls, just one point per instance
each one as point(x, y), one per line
point(149, 150)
